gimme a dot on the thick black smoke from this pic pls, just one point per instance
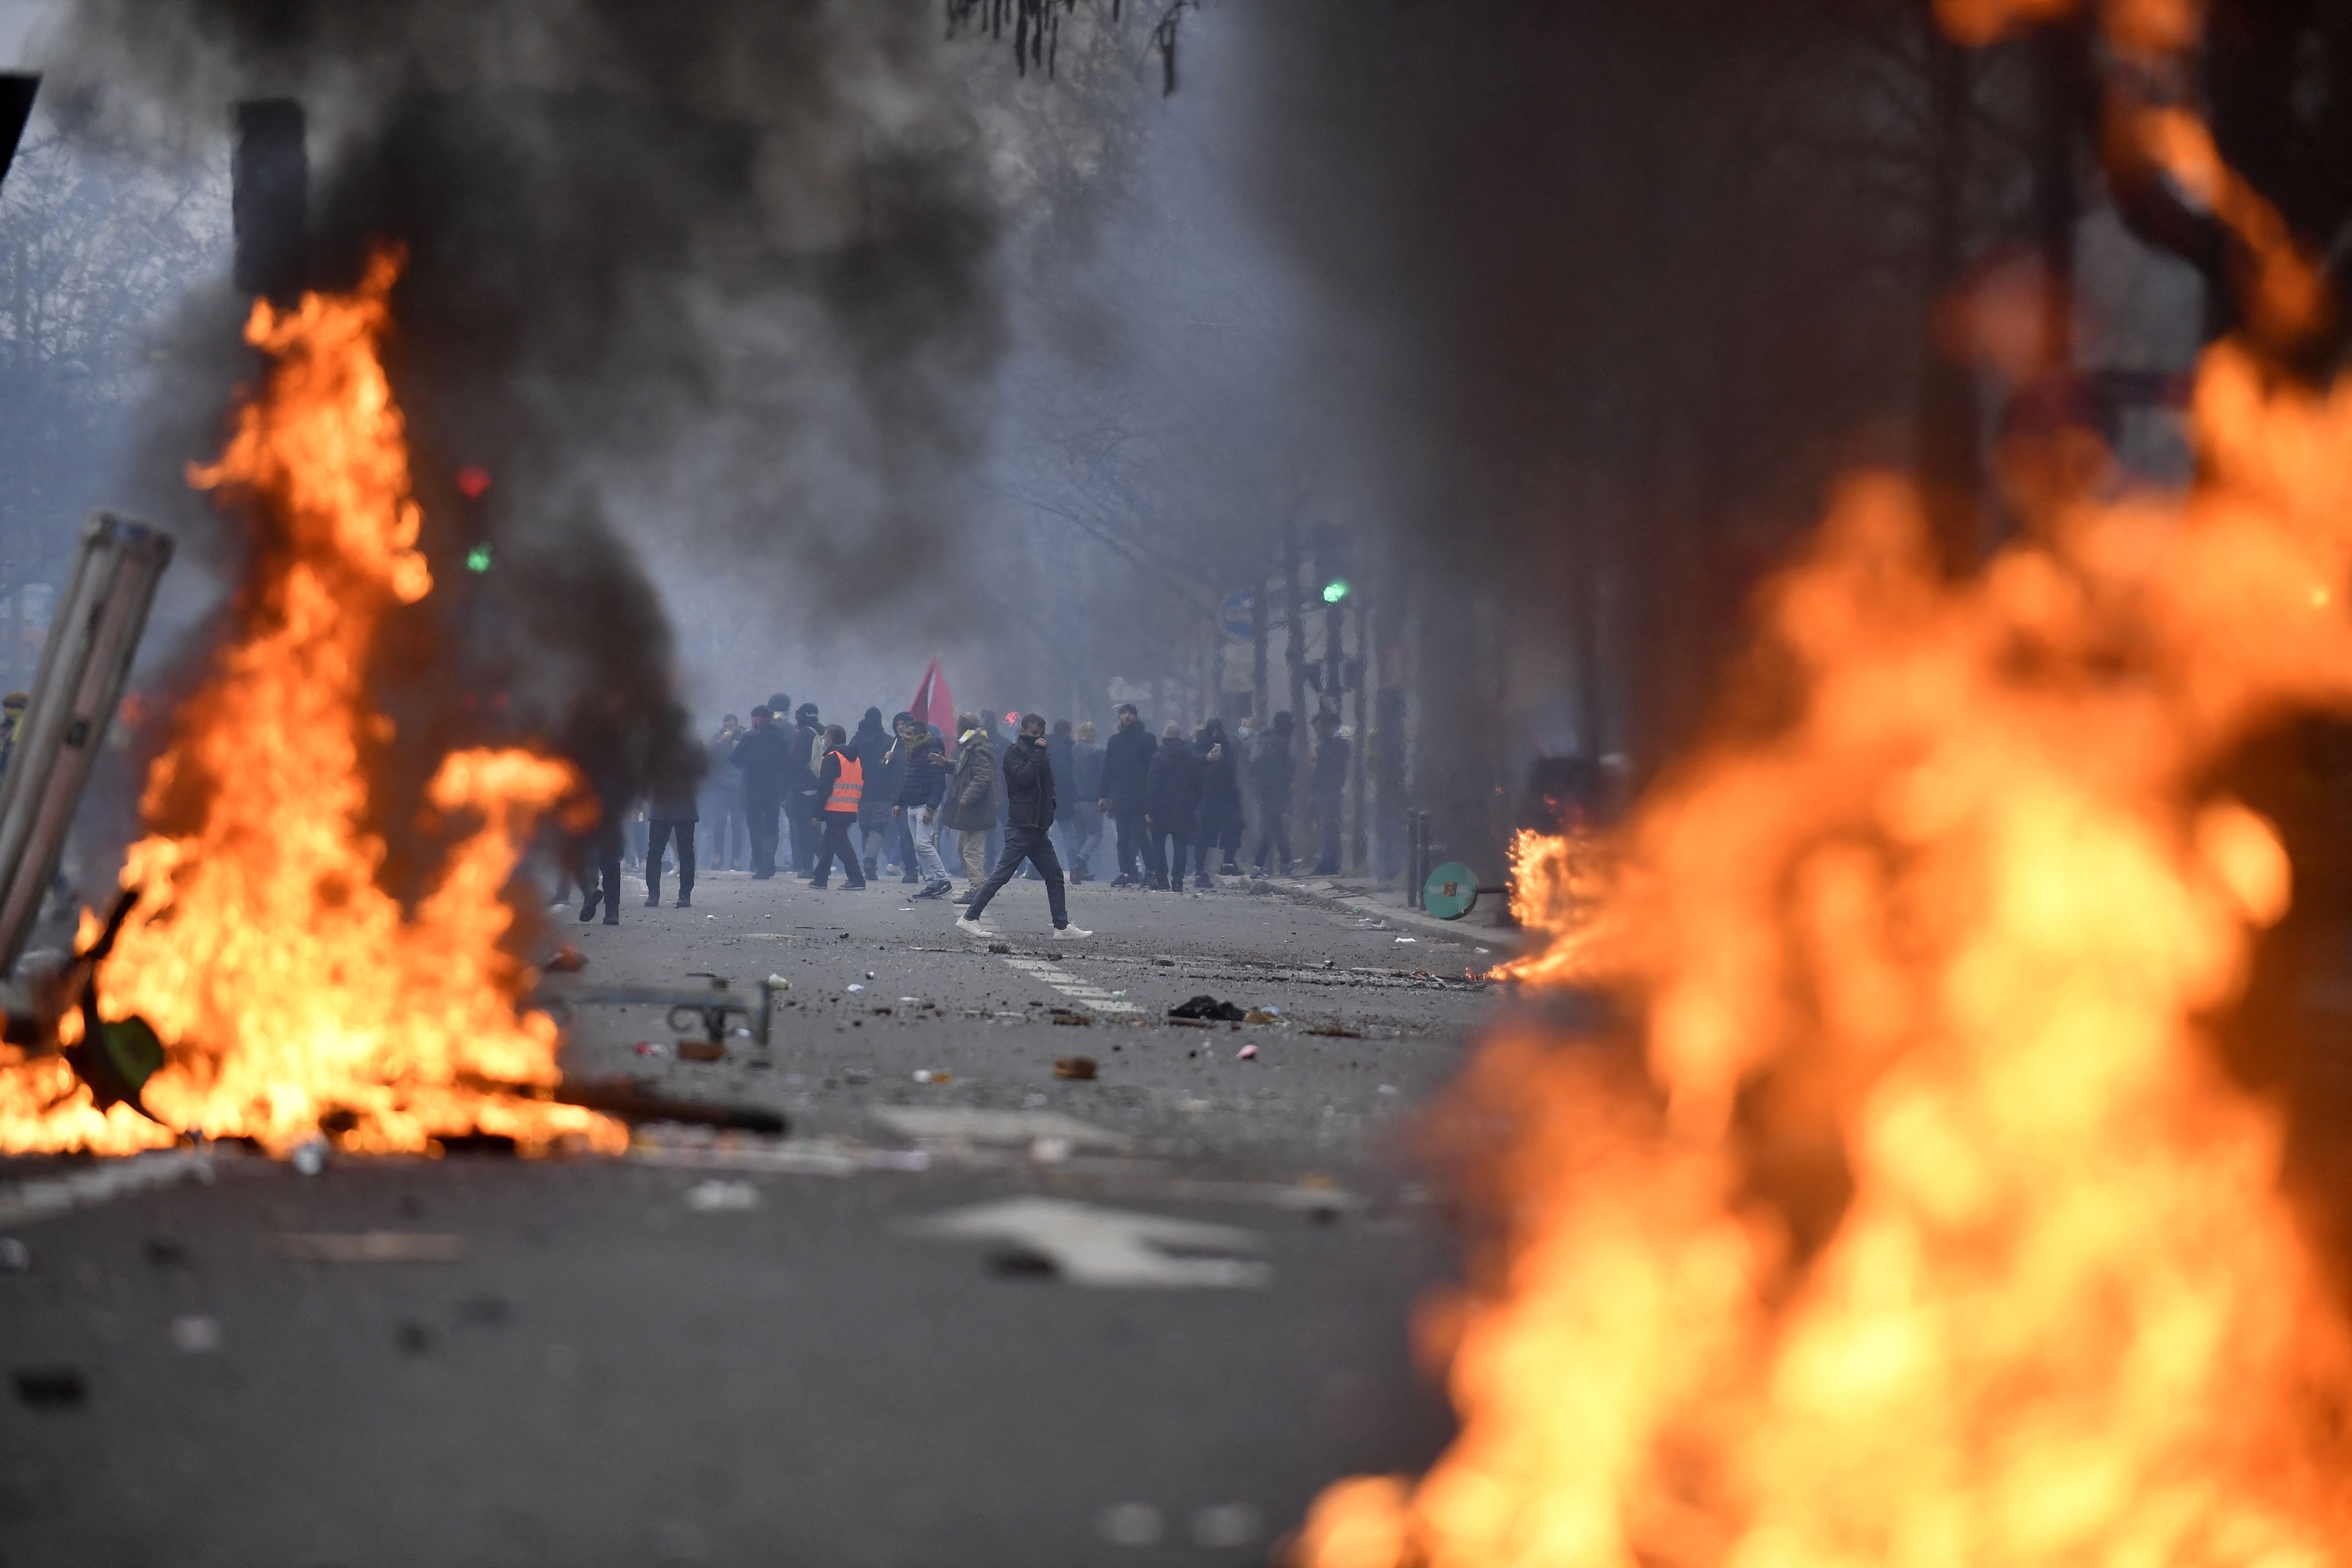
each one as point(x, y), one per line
point(719, 274)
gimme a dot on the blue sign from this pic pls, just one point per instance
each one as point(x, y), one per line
point(1236, 613)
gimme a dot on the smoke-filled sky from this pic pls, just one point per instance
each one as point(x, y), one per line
point(805, 341)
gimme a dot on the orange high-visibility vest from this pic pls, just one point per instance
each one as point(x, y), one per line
point(849, 785)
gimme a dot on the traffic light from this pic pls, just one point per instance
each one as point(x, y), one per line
point(1335, 590)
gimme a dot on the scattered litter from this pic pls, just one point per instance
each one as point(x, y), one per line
point(1129, 1524)
point(50, 1387)
point(778, 982)
point(568, 960)
point(710, 917)
point(1075, 1067)
point(1408, 939)
point(1388, 1088)
point(1246, 1053)
point(1226, 1524)
point(649, 1048)
point(869, 974)
point(1205, 1007)
point(1165, 962)
point(1262, 1015)
point(1338, 1031)
point(999, 947)
point(1486, 950)
point(701, 1051)
point(14, 1255)
point(928, 1075)
point(854, 989)
point(196, 1335)
point(310, 1156)
point(1064, 1016)
point(369, 1246)
point(1118, 992)
point(1049, 1151)
point(910, 999)
point(717, 1197)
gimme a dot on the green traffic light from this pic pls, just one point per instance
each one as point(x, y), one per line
point(1334, 592)
point(477, 559)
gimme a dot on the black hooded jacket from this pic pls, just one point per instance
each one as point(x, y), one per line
point(1028, 785)
point(1127, 768)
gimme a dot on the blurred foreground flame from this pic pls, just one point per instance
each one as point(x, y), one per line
point(1924, 1226)
point(291, 989)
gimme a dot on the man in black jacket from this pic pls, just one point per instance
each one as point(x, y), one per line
point(1126, 780)
point(763, 757)
point(803, 799)
point(1028, 830)
point(1168, 808)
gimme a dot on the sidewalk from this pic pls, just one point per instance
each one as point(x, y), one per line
point(1481, 926)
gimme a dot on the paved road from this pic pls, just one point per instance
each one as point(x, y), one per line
point(990, 1317)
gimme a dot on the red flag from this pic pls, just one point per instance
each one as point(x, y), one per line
point(934, 704)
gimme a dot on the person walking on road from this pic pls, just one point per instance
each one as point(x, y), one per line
point(841, 779)
point(922, 764)
point(1125, 776)
point(1271, 773)
point(1028, 831)
point(970, 805)
point(1220, 829)
point(1170, 804)
point(763, 757)
point(671, 814)
point(1086, 810)
point(1324, 788)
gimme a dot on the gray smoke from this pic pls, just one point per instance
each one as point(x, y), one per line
point(719, 276)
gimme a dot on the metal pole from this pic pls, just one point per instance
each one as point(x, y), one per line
point(93, 638)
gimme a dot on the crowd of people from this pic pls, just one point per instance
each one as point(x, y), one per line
point(788, 793)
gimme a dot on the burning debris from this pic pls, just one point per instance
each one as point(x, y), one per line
point(1928, 1227)
point(288, 990)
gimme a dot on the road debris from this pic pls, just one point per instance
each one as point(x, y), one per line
point(369, 1246)
point(1336, 1032)
point(928, 1075)
point(1079, 1068)
point(1262, 1015)
point(971, 1124)
point(722, 1197)
point(50, 1387)
point(701, 1051)
point(1129, 1524)
point(566, 960)
point(197, 1334)
point(1246, 1053)
point(1113, 1248)
point(854, 990)
point(1064, 1016)
point(1205, 1008)
point(1049, 1151)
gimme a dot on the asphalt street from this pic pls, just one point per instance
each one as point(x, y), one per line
point(967, 1312)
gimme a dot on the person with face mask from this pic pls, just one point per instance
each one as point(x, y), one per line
point(1219, 830)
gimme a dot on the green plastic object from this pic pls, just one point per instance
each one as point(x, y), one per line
point(1451, 892)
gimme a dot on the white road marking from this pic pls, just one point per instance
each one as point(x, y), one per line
point(26, 1201)
point(978, 1126)
point(1113, 1248)
point(1070, 984)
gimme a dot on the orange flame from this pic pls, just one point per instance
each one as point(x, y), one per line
point(291, 988)
point(1561, 891)
point(1928, 1230)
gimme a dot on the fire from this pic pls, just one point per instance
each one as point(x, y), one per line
point(1559, 889)
point(293, 992)
point(1924, 1226)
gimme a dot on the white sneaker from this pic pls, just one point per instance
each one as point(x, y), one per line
point(971, 927)
point(1070, 933)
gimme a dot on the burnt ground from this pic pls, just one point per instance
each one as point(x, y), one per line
point(744, 1350)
